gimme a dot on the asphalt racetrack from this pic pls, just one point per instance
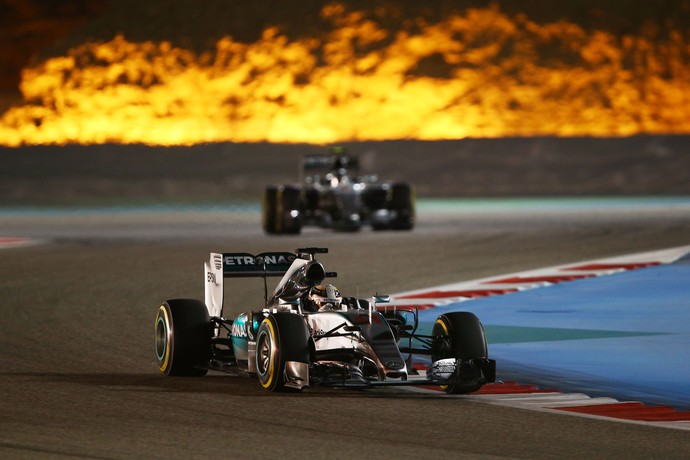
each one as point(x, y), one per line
point(78, 377)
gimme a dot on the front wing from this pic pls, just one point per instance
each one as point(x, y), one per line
point(442, 372)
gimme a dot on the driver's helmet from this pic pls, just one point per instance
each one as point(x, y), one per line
point(326, 297)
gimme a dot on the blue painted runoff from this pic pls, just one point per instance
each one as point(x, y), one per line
point(625, 335)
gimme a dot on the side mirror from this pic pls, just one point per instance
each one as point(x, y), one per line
point(288, 301)
point(377, 298)
point(290, 304)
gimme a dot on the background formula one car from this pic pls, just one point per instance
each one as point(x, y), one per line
point(331, 194)
point(308, 335)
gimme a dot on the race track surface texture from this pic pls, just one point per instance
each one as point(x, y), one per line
point(78, 375)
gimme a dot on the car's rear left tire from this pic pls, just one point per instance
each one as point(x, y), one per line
point(182, 337)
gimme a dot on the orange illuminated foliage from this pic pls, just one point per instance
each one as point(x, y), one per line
point(483, 74)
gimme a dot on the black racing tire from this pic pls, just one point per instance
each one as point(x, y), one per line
point(279, 205)
point(459, 335)
point(290, 199)
point(182, 337)
point(269, 210)
point(281, 337)
point(402, 202)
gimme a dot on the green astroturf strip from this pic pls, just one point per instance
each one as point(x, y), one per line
point(518, 334)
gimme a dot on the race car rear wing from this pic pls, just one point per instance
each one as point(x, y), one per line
point(239, 264)
point(242, 264)
point(322, 163)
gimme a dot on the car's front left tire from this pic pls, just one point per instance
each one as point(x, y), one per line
point(281, 337)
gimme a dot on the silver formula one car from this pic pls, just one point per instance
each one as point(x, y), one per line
point(309, 335)
point(332, 193)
